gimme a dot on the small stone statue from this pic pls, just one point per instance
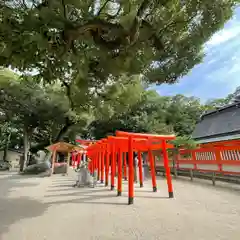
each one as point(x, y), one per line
point(84, 178)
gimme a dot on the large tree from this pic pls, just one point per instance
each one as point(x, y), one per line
point(183, 113)
point(37, 112)
point(231, 98)
point(85, 45)
point(40, 111)
point(153, 114)
point(93, 41)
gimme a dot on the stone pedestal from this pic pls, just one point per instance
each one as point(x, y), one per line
point(84, 178)
point(146, 173)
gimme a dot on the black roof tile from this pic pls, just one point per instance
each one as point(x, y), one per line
point(223, 121)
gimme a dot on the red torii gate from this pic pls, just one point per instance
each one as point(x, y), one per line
point(126, 143)
point(77, 156)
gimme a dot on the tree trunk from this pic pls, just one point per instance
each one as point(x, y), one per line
point(26, 144)
point(61, 134)
point(40, 146)
point(5, 151)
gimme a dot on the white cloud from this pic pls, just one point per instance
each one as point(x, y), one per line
point(223, 36)
point(211, 61)
point(218, 74)
point(235, 68)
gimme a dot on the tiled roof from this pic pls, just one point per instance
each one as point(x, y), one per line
point(224, 121)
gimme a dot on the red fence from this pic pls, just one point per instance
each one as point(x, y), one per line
point(225, 159)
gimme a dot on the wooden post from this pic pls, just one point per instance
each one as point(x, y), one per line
point(125, 166)
point(191, 174)
point(175, 155)
point(193, 154)
point(155, 165)
point(119, 193)
point(102, 164)
point(79, 158)
point(218, 156)
point(98, 164)
point(95, 162)
point(113, 163)
point(153, 172)
point(53, 159)
point(68, 161)
point(135, 166)
point(140, 167)
point(116, 164)
point(167, 169)
point(214, 178)
point(130, 171)
point(107, 168)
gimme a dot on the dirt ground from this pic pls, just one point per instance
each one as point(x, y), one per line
point(50, 208)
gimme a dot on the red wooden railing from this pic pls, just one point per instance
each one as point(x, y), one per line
point(219, 159)
point(222, 159)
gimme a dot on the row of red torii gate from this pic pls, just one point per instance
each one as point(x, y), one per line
point(114, 156)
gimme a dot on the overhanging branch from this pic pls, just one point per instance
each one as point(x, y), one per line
point(68, 93)
point(103, 6)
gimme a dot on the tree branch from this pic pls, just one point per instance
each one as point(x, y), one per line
point(24, 4)
point(145, 4)
point(60, 135)
point(103, 6)
point(156, 41)
point(96, 28)
point(109, 17)
point(68, 93)
point(64, 9)
point(44, 3)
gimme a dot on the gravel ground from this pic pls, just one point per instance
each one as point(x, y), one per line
point(49, 208)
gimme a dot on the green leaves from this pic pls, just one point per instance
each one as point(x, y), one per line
point(127, 37)
point(127, 20)
point(184, 142)
point(30, 103)
point(137, 110)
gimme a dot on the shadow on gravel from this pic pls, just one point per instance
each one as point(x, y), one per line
point(16, 175)
point(76, 192)
point(88, 199)
point(70, 185)
point(13, 210)
point(17, 209)
point(92, 196)
point(233, 188)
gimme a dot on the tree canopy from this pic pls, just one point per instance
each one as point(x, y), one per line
point(153, 114)
point(84, 65)
point(45, 114)
point(93, 41)
point(123, 105)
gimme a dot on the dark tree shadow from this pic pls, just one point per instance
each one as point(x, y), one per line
point(76, 192)
point(92, 196)
point(153, 197)
point(89, 199)
point(62, 186)
point(13, 210)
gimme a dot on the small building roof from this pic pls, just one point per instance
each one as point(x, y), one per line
point(64, 147)
point(221, 124)
point(20, 151)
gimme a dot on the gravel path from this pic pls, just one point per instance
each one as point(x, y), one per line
point(49, 208)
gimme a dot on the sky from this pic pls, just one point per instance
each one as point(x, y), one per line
point(219, 73)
